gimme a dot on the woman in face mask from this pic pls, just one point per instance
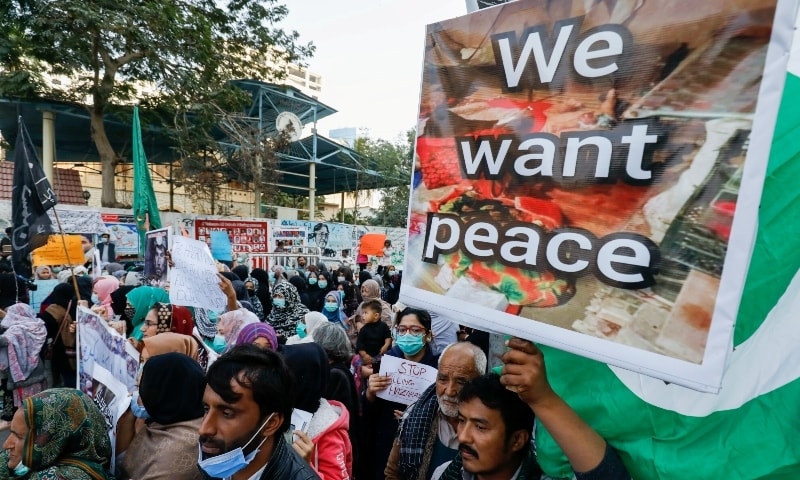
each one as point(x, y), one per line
point(305, 328)
point(231, 323)
point(287, 310)
point(333, 309)
point(412, 335)
point(170, 400)
point(352, 296)
point(251, 284)
point(77, 443)
point(101, 296)
point(316, 291)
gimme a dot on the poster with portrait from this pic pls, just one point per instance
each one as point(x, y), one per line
point(589, 175)
point(156, 269)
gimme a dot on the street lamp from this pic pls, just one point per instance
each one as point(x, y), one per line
point(87, 195)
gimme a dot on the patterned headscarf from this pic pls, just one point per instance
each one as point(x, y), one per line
point(231, 323)
point(26, 335)
point(67, 436)
point(284, 319)
point(205, 325)
point(173, 318)
point(251, 332)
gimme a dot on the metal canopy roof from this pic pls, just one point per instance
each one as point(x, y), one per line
point(338, 168)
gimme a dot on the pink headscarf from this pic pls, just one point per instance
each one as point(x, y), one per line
point(104, 287)
point(231, 323)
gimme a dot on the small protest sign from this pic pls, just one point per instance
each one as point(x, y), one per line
point(193, 280)
point(53, 253)
point(221, 248)
point(409, 379)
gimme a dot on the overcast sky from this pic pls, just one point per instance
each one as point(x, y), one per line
point(369, 53)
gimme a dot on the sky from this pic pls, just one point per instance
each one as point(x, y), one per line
point(369, 54)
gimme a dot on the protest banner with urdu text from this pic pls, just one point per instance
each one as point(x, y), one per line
point(53, 253)
point(193, 280)
point(578, 191)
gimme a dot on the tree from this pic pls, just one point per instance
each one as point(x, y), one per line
point(394, 160)
point(186, 50)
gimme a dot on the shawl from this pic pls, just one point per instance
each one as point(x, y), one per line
point(173, 318)
point(415, 432)
point(262, 290)
point(309, 364)
point(230, 324)
point(253, 331)
point(26, 335)
point(143, 299)
point(171, 388)
point(175, 443)
point(370, 290)
point(206, 327)
point(284, 319)
point(104, 287)
point(338, 316)
point(67, 437)
point(258, 308)
point(169, 342)
point(312, 321)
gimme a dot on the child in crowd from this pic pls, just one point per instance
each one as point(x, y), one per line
point(374, 338)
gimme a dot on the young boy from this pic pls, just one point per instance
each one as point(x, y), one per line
point(374, 338)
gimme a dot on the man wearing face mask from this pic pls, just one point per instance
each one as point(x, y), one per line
point(248, 405)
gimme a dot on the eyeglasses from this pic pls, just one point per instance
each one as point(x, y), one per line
point(416, 331)
point(151, 324)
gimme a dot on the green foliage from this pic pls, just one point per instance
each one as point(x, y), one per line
point(394, 160)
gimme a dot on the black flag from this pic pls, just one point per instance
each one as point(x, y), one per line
point(31, 197)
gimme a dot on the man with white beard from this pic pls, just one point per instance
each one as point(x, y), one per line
point(427, 434)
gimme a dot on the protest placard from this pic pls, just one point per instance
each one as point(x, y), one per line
point(409, 379)
point(111, 397)
point(579, 191)
point(193, 280)
point(155, 257)
point(53, 253)
point(99, 344)
point(221, 247)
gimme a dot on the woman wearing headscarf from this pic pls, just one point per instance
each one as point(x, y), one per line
point(171, 393)
point(140, 301)
point(286, 310)
point(279, 274)
point(305, 329)
point(57, 434)
point(259, 334)
point(326, 442)
point(317, 289)
point(165, 317)
point(334, 310)
point(241, 271)
point(301, 284)
point(370, 290)
point(352, 297)
point(21, 366)
point(45, 283)
point(56, 321)
point(101, 296)
point(251, 284)
point(262, 289)
point(231, 323)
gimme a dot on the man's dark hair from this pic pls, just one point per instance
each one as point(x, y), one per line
point(264, 372)
point(487, 388)
point(373, 305)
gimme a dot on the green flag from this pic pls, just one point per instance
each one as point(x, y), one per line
point(145, 206)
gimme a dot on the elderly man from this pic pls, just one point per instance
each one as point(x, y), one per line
point(496, 417)
point(427, 435)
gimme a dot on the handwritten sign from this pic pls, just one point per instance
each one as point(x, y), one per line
point(409, 379)
point(53, 253)
point(99, 344)
point(193, 281)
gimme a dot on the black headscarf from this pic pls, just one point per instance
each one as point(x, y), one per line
point(172, 387)
point(316, 295)
point(299, 282)
point(61, 295)
point(119, 299)
point(363, 276)
point(263, 288)
point(242, 272)
point(309, 364)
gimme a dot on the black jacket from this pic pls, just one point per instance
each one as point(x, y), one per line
point(286, 464)
point(112, 254)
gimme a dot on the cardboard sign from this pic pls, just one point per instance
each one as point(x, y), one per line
point(193, 281)
point(409, 379)
point(578, 191)
point(372, 244)
point(53, 253)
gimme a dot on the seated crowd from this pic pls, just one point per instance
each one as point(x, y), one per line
point(283, 384)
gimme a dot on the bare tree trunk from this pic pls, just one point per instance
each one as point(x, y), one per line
point(108, 158)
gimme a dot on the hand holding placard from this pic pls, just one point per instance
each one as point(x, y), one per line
point(409, 379)
point(193, 281)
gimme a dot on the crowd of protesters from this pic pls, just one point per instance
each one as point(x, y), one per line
point(217, 389)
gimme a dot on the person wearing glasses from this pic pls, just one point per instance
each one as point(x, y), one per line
point(412, 337)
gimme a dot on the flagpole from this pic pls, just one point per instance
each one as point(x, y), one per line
point(66, 252)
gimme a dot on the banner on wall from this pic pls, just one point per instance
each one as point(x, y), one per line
point(579, 192)
point(246, 236)
point(123, 233)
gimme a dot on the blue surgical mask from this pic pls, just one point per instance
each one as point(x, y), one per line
point(300, 330)
point(95, 298)
point(21, 470)
point(227, 464)
point(138, 410)
point(331, 306)
point(271, 276)
point(219, 343)
point(279, 302)
point(322, 284)
point(312, 280)
point(410, 344)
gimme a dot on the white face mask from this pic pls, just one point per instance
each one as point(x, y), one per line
point(228, 463)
